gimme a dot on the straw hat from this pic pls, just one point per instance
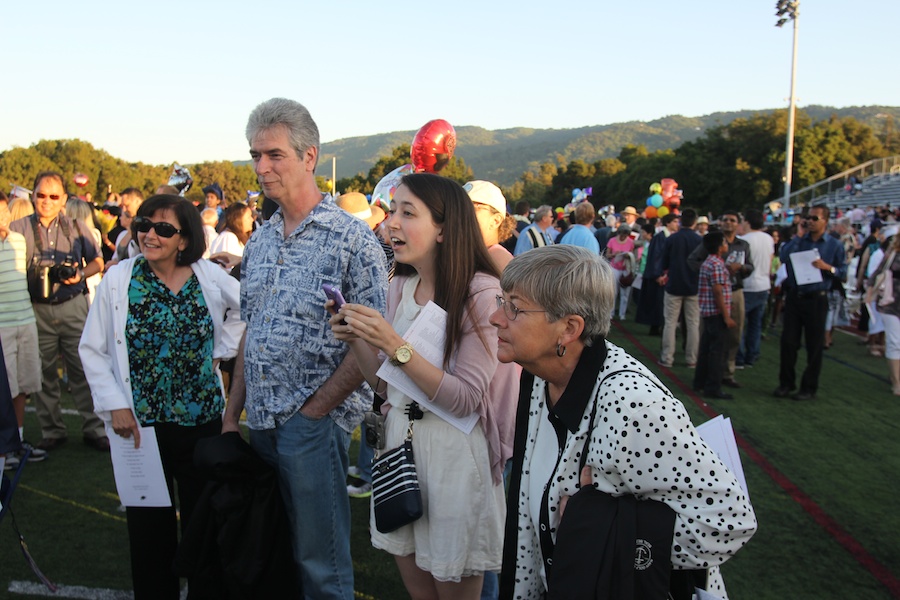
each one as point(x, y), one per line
point(357, 205)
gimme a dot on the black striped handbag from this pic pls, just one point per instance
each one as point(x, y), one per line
point(395, 488)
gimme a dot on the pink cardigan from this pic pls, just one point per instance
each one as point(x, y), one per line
point(476, 380)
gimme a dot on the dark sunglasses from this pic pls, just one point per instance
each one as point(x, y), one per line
point(812, 218)
point(42, 196)
point(144, 225)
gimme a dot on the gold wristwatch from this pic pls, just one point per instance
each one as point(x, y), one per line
point(402, 355)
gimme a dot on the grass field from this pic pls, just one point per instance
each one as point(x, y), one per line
point(823, 478)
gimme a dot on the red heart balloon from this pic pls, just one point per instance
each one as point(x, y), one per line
point(433, 146)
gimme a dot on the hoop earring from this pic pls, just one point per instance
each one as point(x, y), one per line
point(560, 350)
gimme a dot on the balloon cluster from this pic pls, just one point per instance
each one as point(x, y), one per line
point(431, 150)
point(664, 198)
point(580, 195)
point(180, 179)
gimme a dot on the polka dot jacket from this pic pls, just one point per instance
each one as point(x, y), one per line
point(642, 443)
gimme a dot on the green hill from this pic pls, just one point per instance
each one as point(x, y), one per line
point(503, 155)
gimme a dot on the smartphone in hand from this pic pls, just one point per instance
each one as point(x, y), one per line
point(334, 294)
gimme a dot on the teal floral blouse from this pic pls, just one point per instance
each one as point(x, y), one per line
point(170, 351)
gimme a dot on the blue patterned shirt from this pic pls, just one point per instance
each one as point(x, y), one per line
point(290, 350)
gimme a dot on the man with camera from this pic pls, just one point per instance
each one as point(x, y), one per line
point(60, 258)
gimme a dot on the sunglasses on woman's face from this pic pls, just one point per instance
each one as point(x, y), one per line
point(163, 229)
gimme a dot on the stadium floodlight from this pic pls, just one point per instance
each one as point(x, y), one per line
point(789, 10)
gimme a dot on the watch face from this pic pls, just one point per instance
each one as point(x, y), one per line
point(403, 354)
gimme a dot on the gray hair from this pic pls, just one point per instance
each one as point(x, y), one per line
point(541, 212)
point(302, 130)
point(565, 280)
point(209, 216)
point(611, 221)
point(79, 210)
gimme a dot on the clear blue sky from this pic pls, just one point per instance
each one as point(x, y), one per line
point(167, 81)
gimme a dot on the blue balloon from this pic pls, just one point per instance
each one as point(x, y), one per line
point(657, 200)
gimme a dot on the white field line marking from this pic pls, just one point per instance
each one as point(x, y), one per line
point(74, 591)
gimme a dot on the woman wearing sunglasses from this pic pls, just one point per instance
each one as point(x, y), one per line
point(151, 345)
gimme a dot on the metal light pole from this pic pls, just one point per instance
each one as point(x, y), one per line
point(788, 10)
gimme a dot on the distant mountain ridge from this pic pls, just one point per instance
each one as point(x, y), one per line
point(503, 155)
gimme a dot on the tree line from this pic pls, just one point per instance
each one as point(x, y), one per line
point(19, 166)
point(737, 165)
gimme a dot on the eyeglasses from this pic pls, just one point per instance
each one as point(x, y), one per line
point(163, 229)
point(42, 196)
point(511, 310)
point(812, 218)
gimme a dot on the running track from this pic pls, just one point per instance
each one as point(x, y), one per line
point(856, 549)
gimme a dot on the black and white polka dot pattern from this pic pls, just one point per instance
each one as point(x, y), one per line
point(642, 443)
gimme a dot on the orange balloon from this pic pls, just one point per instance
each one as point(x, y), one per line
point(650, 212)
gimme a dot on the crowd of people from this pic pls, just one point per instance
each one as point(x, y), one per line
point(578, 430)
point(845, 264)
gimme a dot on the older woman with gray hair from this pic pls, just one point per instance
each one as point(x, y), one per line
point(595, 425)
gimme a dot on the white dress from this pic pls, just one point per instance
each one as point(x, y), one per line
point(461, 531)
point(227, 242)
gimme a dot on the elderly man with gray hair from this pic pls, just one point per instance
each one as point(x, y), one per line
point(535, 235)
point(304, 393)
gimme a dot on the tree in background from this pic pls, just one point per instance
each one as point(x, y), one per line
point(235, 181)
point(735, 165)
point(19, 166)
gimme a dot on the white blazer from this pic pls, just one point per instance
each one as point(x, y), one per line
point(103, 349)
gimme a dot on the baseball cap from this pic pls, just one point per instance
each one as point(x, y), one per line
point(485, 192)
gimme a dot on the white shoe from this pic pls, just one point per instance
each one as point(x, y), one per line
point(354, 471)
point(359, 491)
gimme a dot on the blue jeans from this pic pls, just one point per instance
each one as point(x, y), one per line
point(312, 459)
point(754, 309)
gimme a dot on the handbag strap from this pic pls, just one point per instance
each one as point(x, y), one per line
point(582, 460)
point(414, 412)
point(545, 538)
